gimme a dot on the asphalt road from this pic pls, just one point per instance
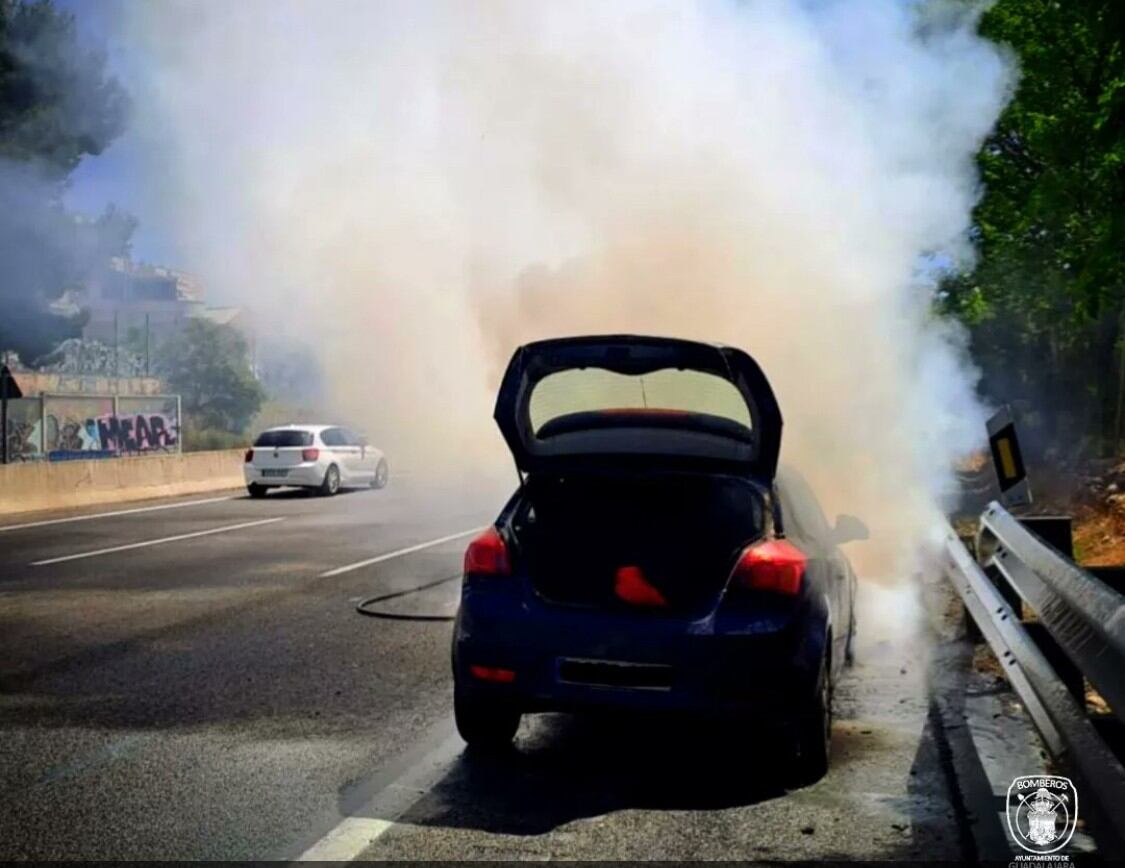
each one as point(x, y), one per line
point(192, 682)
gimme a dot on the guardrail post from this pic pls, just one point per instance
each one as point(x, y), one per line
point(1055, 530)
point(1114, 577)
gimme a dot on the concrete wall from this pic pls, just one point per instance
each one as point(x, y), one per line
point(36, 382)
point(40, 485)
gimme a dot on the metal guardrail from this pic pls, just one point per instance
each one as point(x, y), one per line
point(1085, 617)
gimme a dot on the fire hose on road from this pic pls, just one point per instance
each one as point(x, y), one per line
point(364, 606)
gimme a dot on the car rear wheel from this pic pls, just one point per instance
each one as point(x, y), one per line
point(814, 733)
point(256, 490)
point(849, 648)
point(485, 725)
point(331, 483)
point(381, 475)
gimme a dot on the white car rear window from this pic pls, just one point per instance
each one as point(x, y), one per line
point(284, 438)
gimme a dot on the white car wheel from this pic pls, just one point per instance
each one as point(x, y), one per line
point(331, 484)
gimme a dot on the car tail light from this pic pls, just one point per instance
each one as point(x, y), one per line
point(493, 673)
point(487, 555)
point(310, 454)
point(249, 455)
point(776, 565)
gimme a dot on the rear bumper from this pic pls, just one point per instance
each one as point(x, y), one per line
point(311, 475)
point(755, 668)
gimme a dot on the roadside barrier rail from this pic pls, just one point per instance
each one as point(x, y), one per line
point(1078, 621)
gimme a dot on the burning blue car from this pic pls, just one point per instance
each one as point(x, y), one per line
point(653, 558)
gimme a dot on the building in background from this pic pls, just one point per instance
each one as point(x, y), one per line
point(139, 306)
point(132, 309)
point(134, 296)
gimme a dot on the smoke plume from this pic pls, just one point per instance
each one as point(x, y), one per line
point(422, 186)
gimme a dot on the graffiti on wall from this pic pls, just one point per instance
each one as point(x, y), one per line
point(110, 435)
point(71, 427)
point(25, 430)
point(67, 423)
point(24, 439)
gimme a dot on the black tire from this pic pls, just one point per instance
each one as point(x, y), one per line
point(849, 646)
point(814, 733)
point(382, 474)
point(256, 490)
point(331, 483)
point(486, 726)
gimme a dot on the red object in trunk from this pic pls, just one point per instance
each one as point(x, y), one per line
point(631, 586)
point(310, 454)
point(249, 455)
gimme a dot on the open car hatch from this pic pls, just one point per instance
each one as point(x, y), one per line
point(625, 400)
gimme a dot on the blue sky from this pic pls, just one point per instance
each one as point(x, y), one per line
point(109, 178)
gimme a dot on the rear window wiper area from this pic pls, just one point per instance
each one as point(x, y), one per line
point(279, 439)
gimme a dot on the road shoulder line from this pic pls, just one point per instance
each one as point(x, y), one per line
point(347, 568)
point(116, 512)
point(155, 542)
point(391, 799)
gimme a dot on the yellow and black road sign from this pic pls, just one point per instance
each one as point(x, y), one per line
point(1008, 460)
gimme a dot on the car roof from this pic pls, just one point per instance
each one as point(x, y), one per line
point(314, 429)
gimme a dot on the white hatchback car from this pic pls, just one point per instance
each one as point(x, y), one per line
point(324, 457)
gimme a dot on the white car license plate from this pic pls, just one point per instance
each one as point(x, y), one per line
point(275, 472)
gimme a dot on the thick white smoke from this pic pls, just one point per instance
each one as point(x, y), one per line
point(418, 187)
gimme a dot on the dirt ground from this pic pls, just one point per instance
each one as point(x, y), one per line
point(1093, 493)
point(1099, 534)
point(1096, 499)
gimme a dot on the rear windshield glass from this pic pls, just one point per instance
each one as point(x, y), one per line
point(284, 438)
point(591, 389)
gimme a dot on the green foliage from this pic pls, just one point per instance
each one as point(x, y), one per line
point(1044, 303)
point(56, 102)
point(208, 366)
point(57, 105)
point(210, 439)
point(275, 413)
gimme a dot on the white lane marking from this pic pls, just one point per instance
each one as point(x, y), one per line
point(349, 838)
point(156, 542)
point(347, 568)
point(117, 512)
